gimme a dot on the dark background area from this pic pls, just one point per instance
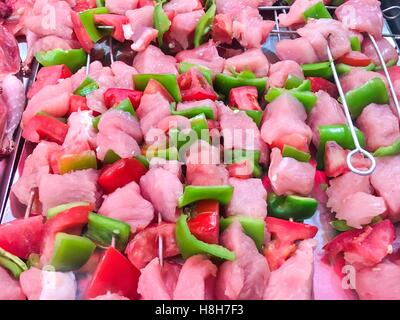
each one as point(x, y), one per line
point(394, 24)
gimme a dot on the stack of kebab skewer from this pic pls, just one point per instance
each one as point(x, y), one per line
point(188, 172)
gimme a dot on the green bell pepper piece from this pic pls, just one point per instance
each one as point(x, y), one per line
point(317, 11)
point(355, 43)
point(340, 225)
point(189, 245)
point(71, 252)
point(199, 125)
point(337, 3)
point(307, 98)
point(87, 86)
point(100, 3)
point(111, 157)
point(373, 91)
point(12, 263)
point(390, 63)
point(167, 80)
point(180, 139)
point(124, 105)
point(234, 156)
point(255, 115)
point(204, 25)
point(161, 22)
point(222, 194)
point(291, 207)
point(62, 207)
point(291, 152)
point(224, 82)
point(101, 230)
point(143, 160)
point(320, 69)
point(340, 133)
point(343, 69)
point(253, 227)
point(33, 261)
point(74, 59)
point(206, 72)
point(192, 112)
point(170, 153)
point(74, 162)
point(87, 19)
point(293, 82)
point(391, 150)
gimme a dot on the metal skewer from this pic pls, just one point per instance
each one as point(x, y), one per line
point(160, 244)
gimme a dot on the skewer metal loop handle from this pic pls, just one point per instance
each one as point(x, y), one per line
point(389, 9)
point(358, 148)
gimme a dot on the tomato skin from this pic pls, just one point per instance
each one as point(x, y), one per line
point(205, 223)
point(284, 235)
point(81, 33)
point(355, 59)
point(113, 96)
point(77, 103)
point(121, 173)
point(114, 274)
point(241, 170)
point(114, 20)
point(48, 76)
point(295, 140)
point(153, 86)
point(22, 237)
point(244, 98)
point(42, 127)
point(318, 84)
point(194, 86)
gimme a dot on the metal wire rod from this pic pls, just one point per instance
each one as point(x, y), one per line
point(295, 33)
point(160, 244)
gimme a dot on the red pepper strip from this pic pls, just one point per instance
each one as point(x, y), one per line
point(318, 84)
point(367, 247)
point(205, 223)
point(114, 274)
point(48, 76)
point(114, 20)
point(81, 33)
point(42, 127)
point(355, 59)
point(284, 235)
point(153, 86)
point(77, 103)
point(121, 173)
point(82, 5)
point(68, 221)
point(266, 183)
point(22, 237)
point(244, 98)
point(194, 86)
point(114, 96)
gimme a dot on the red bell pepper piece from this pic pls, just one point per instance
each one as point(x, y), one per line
point(114, 96)
point(114, 274)
point(284, 235)
point(242, 169)
point(48, 76)
point(355, 59)
point(318, 84)
point(81, 33)
point(42, 127)
point(366, 247)
point(77, 103)
point(266, 183)
point(121, 173)
point(144, 246)
point(244, 98)
point(153, 86)
point(205, 223)
point(114, 20)
point(22, 237)
point(194, 86)
point(82, 5)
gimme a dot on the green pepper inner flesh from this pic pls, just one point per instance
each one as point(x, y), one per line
point(223, 194)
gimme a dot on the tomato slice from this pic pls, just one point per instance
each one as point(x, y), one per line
point(114, 96)
point(244, 98)
point(114, 20)
point(77, 103)
point(121, 173)
point(153, 86)
point(284, 235)
point(82, 5)
point(318, 84)
point(194, 86)
point(355, 59)
point(42, 127)
point(242, 169)
point(114, 274)
point(22, 237)
point(81, 33)
point(48, 76)
point(205, 223)
point(295, 140)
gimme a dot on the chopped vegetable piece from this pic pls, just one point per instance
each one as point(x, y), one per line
point(340, 225)
point(291, 152)
point(320, 69)
point(87, 86)
point(199, 125)
point(318, 84)
point(343, 69)
point(189, 245)
point(317, 11)
point(77, 103)
point(307, 98)
point(115, 21)
point(72, 162)
point(101, 230)
point(355, 59)
point(253, 227)
point(114, 96)
point(161, 22)
point(169, 81)
point(223, 194)
point(244, 98)
point(204, 25)
point(74, 59)
point(391, 150)
point(193, 112)
point(205, 223)
point(291, 207)
point(293, 82)
point(194, 86)
point(87, 19)
point(255, 115)
point(42, 127)
point(111, 157)
point(62, 207)
point(12, 263)
point(206, 72)
point(224, 82)
point(71, 252)
point(355, 43)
